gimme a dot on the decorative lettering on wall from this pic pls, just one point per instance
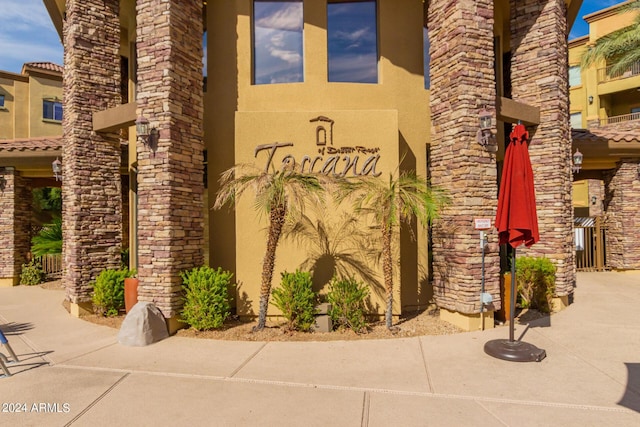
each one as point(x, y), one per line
point(338, 161)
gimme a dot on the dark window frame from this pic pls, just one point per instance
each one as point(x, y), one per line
point(255, 76)
point(52, 110)
point(377, 42)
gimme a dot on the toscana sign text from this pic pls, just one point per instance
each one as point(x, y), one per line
point(330, 160)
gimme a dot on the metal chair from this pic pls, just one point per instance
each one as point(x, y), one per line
point(3, 358)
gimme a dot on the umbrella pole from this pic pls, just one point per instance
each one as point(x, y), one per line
point(512, 350)
point(512, 297)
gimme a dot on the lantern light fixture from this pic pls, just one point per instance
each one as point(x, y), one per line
point(148, 136)
point(590, 99)
point(484, 133)
point(56, 166)
point(577, 161)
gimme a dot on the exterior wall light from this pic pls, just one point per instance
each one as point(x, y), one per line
point(484, 133)
point(577, 161)
point(143, 133)
point(56, 166)
point(590, 99)
point(594, 199)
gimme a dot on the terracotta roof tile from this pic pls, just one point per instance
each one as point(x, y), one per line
point(47, 143)
point(49, 66)
point(607, 134)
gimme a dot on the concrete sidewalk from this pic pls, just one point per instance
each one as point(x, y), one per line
point(75, 373)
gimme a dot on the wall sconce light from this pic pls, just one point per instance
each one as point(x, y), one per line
point(143, 133)
point(594, 200)
point(484, 133)
point(590, 99)
point(56, 166)
point(577, 161)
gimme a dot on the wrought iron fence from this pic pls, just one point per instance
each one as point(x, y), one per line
point(620, 119)
point(589, 238)
point(51, 264)
point(605, 74)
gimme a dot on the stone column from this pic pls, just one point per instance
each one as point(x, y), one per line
point(539, 77)
point(15, 217)
point(622, 199)
point(462, 83)
point(91, 190)
point(170, 171)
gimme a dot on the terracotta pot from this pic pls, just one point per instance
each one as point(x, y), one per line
point(130, 293)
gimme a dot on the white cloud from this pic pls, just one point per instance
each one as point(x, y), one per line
point(288, 56)
point(286, 17)
point(22, 14)
point(27, 35)
point(354, 68)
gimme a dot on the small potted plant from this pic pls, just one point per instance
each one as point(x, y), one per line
point(130, 290)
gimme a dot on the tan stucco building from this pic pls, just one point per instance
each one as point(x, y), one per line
point(30, 140)
point(605, 117)
point(126, 59)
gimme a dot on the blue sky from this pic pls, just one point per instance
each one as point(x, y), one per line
point(27, 33)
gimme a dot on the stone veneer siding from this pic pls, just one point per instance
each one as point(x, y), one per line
point(539, 77)
point(15, 216)
point(462, 83)
point(170, 175)
point(91, 190)
point(622, 200)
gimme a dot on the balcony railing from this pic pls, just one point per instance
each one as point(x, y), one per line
point(620, 119)
point(604, 74)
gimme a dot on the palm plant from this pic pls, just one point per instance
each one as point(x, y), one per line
point(620, 48)
point(279, 194)
point(48, 240)
point(391, 202)
point(339, 248)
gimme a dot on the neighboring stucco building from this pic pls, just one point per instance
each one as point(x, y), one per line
point(605, 117)
point(30, 140)
point(127, 59)
point(31, 102)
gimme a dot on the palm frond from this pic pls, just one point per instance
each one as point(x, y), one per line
point(48, 240)
point(618, 48)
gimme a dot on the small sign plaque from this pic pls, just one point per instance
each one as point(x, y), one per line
point(482, 223)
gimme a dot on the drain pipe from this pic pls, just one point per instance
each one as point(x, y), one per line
point(483, 243)
point(485, 298)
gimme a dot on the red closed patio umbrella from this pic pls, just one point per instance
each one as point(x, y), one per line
point(517, 224)
point(517, 218)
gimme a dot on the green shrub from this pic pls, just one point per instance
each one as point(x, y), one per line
point(296, 299)
point(346, 297)
point(124, 258)
point(32, 273)
point(206, 300)
point(536, 278)
point(108, 291)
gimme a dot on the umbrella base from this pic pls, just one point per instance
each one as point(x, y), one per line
point(514, 351)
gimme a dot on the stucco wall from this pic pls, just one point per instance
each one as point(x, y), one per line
point(392, 115)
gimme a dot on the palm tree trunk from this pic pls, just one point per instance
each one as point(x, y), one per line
point(387, 271)
point(276, 222)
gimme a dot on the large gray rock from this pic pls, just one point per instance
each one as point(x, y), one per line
point(143, 325)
